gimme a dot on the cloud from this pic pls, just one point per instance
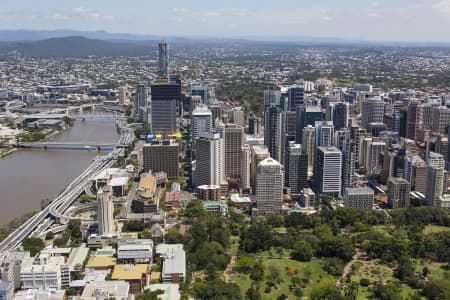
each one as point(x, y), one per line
point(442, 6)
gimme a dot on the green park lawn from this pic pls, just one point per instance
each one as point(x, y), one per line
point(314, 268)
point(375, 272)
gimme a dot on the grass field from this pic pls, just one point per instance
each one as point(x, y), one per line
point(375, 272)
point(435, 229)
point(311, 270)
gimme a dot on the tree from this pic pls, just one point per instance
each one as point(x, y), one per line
point(49, 236)
point(257, 273)
point(253, 292)
point(149, 295)
point(334, 266)
point(174, 236)
point(302, 251)
point(388, 292)
point(216, 289)
point(33, 245)
point(437, 289)
point(326, 290)
point(405, 268)
point(194, 209)
point(258, 237)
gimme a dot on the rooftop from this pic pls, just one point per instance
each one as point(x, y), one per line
point(359, 191)
point(101, 262)
point(129, 272)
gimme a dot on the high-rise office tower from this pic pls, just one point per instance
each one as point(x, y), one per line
point(140, 103)
point(324, 134)
point(389, 166)
point(253, 125)
point(355, 134)
point(161, 156)
point(412, 118)
point(269, 186)
point(411, 161)
point(364, 155)
point(165, 97)
point(398, 192)
point(300, 123)
point(308, 144)
point(435, 178)
point(328, 171)
point(201, 121)
point(259, 153)
point(272, 97)
point(237, 116)
point(201, 90)
point(442, 146)
point(313, 114)
point(420, 180)
point(291, 120)
point(339, 115)
point(246, 159)
point(373, 163)
point(123, 90)
point(372, 111)
point(296, 97)
point(274, 132)
point(163, 59)
point(216, 111)
point(234, 135)
point(348, 164)
point(105, 210)
point(296, 168)
point(441, 119)
point(210, 159)
point(434, 185)
point(359, 198)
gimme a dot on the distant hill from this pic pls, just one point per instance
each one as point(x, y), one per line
point(76, 46)
point(35, 35)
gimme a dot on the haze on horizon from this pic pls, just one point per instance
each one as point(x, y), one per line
point(382, 20)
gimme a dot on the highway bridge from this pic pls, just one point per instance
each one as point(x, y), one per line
point(40, 222)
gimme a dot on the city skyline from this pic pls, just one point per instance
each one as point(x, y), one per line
point(390, 21)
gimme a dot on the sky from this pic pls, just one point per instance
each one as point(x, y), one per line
point(382, 20)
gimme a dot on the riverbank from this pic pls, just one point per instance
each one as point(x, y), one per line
point(6, 229)
point(48, 136)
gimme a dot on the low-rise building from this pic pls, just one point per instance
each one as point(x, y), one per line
point(135, 275)
point(37, 294)
point(44, 272)
point(118, 290)
point(135, 251)
point(174, 263)
point(359, 198)
point(171, 291)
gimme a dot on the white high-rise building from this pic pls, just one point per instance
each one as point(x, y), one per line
point(308, 142)
point(210, 159)
point(324, 134)
point(201, 121)
point(105, 211)
point(246, 159)
point(269, 186)
point(435, 178)
point(328, 171)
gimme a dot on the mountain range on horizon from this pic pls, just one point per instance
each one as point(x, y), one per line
point(70, 43)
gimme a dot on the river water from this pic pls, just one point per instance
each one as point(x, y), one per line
point(28, 176)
